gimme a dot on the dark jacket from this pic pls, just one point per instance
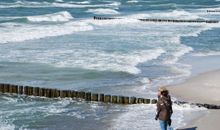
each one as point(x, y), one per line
point(164, 108)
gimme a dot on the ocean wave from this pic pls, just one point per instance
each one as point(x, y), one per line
point(179, 52)
point(203, 54)
point(71, 4)
point(83, 58)
point(63, 16)
point(175, 14)
point(137, 117)
point(5, 125)
point(10, 32)
point(103, 11)
point(132, 1)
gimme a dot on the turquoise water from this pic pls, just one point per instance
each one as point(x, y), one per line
point(56, 43)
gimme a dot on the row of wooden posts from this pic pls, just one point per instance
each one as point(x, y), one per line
point(88, 96)
point(163, 20)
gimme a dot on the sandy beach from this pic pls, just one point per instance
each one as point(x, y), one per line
point(204, 88)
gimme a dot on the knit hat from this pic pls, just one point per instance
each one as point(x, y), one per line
point(162, 89)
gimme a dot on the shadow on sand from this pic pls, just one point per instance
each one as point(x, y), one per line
point(192, 128)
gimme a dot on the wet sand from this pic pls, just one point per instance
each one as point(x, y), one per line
point(204, 88)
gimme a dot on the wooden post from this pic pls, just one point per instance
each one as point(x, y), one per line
point(114, 99)
point(69, 94)
point(48, 92)
point(126, 100)
point(52, 93)
point(62, 94)
point(6, 88)
point(140, 100)
point(88, 96)
point(146, 101)
point(10, 89)
point(56, 93)
point(41, 92)
point(121, 100)
point(44, 92)
point(21, 90)
point(107, 98)
point(15, 89)
point(73, 94)
point(26, 90)
point(153, 101)
point(101, 97)
point(2, 88)
point(36, 91)
point(82, 95)
point(30, 91)
point(133, 100)
point(77, 94)
point(95, 97)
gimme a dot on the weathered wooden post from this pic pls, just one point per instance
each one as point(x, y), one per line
point(41, 92)
point(36, 91)
point(146, 101)
point(10, 88)
point(82, 95)
point(30, 90)
point(20, 90)
point(6, 88)
point(114, 99)
point(57, 93)
point(126, 100)
point(62, 94)
point(140, 100)
point(88, 96)
point(133, 100)
point(73, 94)
point(69, 93)
point(44, 92)
point(77, 94)
point(2, 88)
point(15, 89)
point(121, 100)
point(101, 97)
point(153, 101)
point(26, 90)
point(95, 97)
point(107, 98)
point(53, 93)
point(48, 92)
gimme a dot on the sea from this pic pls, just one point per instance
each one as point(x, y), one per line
point(58, 44)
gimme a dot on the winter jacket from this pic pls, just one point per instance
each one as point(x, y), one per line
point(164, 108)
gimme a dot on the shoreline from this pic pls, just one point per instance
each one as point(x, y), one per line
point(203, 88)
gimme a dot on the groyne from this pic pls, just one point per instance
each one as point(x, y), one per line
point(162, 20)
point(87, 96)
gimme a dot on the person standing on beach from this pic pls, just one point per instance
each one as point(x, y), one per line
point(164, 108)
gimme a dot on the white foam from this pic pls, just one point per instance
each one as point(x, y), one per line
point(141, 117)
point(103, 11)
point(211, 53)
point(63, 16)
point(85, 58)
point(175, 14)
point(72, 4)
point(132, 1)
point(11, 32)
point(59, 0)
point(5, 125)
point(121, 62)
point(182, 50)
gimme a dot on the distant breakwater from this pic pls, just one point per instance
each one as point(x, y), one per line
point(162, 20)
point(87, 96)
